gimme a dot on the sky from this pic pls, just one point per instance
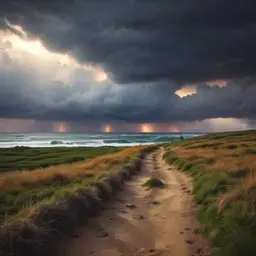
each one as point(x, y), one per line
point(127, 65)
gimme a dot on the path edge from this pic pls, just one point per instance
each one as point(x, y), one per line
point(37, 234)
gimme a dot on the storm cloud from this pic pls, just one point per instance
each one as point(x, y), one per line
point(23, 96)
point(147, 40)
point(149, 48)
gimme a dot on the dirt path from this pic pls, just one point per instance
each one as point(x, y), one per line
point(158, 222)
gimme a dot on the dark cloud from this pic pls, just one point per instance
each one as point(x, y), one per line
point(109, 102)
point(150, 49)
point(146, 40)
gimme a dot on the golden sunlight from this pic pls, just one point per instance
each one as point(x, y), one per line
point(100, 76)
point(175, 130)
point(108, 128)
point(146, 128)
point(33, 47)
point(191, 89)
point(61, 127)
point(185, 91)
point(23, 44)
point(226, 124)
point(220, 83)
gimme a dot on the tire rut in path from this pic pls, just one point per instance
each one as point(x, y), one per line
point(143, 222)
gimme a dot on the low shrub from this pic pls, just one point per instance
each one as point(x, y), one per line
point(153, 182)
point(232, 146)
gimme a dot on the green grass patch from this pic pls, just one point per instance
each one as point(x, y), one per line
point(249, 151)
point(15, 199)
point(24, 158)
point(231, 230)
point(153, 182)
point(239, 173)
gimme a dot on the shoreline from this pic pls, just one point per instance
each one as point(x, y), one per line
point(89, 140)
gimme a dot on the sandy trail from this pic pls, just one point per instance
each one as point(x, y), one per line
point(161, 221)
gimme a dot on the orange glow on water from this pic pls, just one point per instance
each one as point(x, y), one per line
point(61, 127)
point(175, 130)
point(146, 128)
point(108, 128)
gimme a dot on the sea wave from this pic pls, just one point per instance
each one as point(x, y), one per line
point(86, 140)
point(109, 141)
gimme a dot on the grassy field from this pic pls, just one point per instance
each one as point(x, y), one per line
point(25, 158)
point(20, 190)
point(40, 204)
point(223, 168)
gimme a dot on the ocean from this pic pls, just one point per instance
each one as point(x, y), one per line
point(9, 140)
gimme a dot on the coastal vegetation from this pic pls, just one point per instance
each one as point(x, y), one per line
point(153, 182)
point(223, 170)
point(25, 158)
point(42, 204)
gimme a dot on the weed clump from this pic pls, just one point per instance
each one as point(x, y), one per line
point(232, 146)
point(153, 182)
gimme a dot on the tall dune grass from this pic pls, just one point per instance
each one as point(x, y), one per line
point(39, 206)
point(37, 177)
point(223, 168)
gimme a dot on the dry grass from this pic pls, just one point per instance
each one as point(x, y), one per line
point(231, 153)
point(244, 190)
point(20, 191)
point(223, 170)
point(39, 206)
point(223, 153)
point(66, 172)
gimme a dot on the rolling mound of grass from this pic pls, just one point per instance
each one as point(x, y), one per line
point(40, 205)
point(223, 168)
point(25, 158)
point(153, 182)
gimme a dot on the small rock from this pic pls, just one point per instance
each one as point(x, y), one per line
point(187, 228)
point(142, 250)
point(181, 232)
point(138, 216)
point(130, 206)
point(155, 202)
point(151, 250)
point(102, 234)
point(189, 241)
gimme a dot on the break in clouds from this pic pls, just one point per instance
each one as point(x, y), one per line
point(149, 49)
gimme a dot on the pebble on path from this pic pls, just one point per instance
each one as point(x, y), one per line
point(130, 205)
point(102, 234)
